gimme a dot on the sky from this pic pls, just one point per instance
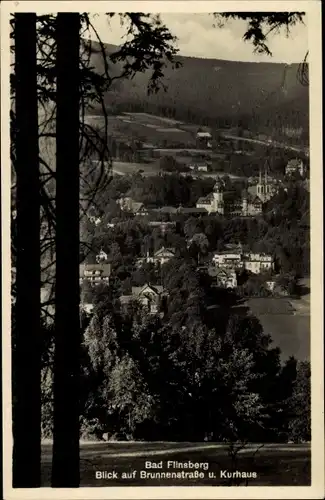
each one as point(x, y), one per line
point(197, 37)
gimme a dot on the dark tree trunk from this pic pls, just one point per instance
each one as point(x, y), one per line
point(26, 372)
point(65, 466)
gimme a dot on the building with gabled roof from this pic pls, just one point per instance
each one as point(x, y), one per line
point(256, 263)
point(95, 273)
point(161, 256)
point(226, 278)
point(149, 296)
point(251, 205)
point(129, 205)
point(214, 201)
point(295, 165)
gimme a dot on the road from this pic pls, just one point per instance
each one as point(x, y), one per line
point(275, 144)
point(151, 169)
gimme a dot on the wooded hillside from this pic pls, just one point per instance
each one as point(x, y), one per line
point(217, 93)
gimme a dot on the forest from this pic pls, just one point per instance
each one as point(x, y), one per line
point(282, 231)
point(217, 93)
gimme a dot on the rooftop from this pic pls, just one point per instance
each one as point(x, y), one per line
point(104, 268)
point(294, 162)
point(139, 290)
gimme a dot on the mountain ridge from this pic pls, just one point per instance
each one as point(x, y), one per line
point(267, 93)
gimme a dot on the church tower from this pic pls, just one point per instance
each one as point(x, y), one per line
point(218, 201)
point(263, 189)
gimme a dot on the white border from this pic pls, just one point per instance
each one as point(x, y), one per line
point(313, 10)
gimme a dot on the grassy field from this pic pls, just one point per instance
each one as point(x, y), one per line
point(275, 465)
point(125, 168)
point(290, 333)
point(288, 323)
point(149, 128)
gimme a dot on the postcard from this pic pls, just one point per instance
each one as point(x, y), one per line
point(162, 215)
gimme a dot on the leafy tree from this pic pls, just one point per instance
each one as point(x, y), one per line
point(199, 245)
point(168, 164)
point(300, 405)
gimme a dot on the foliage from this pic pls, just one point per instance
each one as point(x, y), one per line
point(300, 405)
point(260, 25)
point(181, 364)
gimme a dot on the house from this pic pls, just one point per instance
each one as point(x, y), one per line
point(164, 255)
point(251, 205)
point(142, 211)
point(226, 278)
point(204, 139)
point(101, 257)
point(204, 135)
point(228, 259)
point(293, 166)
point(205, 202)
point(94, 273)
point(200, 167)
point(256, 263)
point(159, 257)
point(151, 297)
point(270, 285)
point(129, 205)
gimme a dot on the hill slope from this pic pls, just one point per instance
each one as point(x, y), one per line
point(218, 92)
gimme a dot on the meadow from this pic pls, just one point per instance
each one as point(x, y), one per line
point(289, 329)
point(146, 127)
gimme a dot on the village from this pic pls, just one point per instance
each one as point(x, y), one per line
point(229, 266)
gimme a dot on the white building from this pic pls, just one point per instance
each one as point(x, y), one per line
point(94, 273)
point(205, 138)
point(200, 167)
point(227, 259)
point(161, 256)
point(229, 202)
point(204, 135)
point(293, 166)
point(87, 307)
point(256, 263)
point(102, 256)
point(214, 201)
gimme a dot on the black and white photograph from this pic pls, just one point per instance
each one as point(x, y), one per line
point(162, 197)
